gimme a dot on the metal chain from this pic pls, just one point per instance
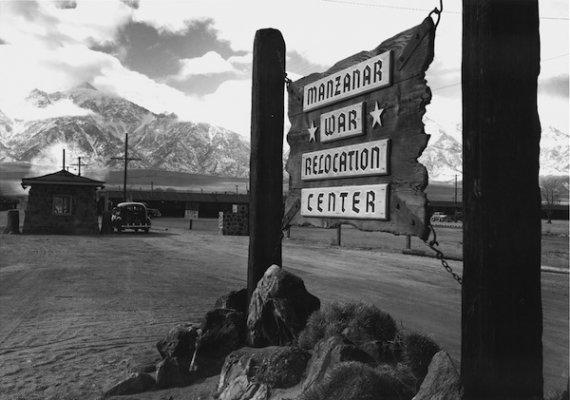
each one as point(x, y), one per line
point(440, 256)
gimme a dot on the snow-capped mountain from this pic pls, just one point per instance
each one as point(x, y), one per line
point(92, 124)
point(443, 159)
point(95, 127)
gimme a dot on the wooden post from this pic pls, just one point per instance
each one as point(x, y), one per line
point(339, 234)
point(408, 242)
point(12, 222)
point(501, 349)
point(266, 166)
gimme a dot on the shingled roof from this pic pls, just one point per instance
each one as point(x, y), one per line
point(62, 177)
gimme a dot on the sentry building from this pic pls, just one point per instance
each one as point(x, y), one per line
point(62, 203)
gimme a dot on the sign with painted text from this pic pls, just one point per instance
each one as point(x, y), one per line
point(342, 123)
point(368, 75)
point(355, 138)
point(364, 159)
point(364, 201)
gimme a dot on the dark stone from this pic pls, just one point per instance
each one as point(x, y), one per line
point(356, 381)
point(327, 354)
point(251, 372)
point(223, 331)
point(170, 373)
point(179, 343)
point(279, 308)
point(136, 383)
point(442, 380)
point(234, 300)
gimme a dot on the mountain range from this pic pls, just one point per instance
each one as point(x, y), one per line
point(92, 124)
point(97, 130)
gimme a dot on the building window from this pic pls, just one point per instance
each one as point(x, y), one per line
point(62, 205)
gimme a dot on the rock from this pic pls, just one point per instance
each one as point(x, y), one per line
point(242, 389)
point(223, 331)
point(251, 373)
point(279, 308)
point(356, 381)
point(169, 373)
point(179, 343)
point(327, 354)
point(234, 300)
point(136, 383)
point(442, 380)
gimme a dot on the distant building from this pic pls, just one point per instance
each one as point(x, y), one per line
point(61, 202)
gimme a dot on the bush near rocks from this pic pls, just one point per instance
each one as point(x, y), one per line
point(279, 308)
point(418, 352)
point(357, 381)
point(358, 322)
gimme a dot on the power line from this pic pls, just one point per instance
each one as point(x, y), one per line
point(377, 5)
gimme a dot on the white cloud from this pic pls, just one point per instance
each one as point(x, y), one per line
point(61, 108)
point(210, 63)
point(240, 60)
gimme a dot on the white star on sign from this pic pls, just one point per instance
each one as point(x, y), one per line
point(376, 115)
point(312, 131)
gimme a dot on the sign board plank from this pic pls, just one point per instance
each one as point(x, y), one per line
point(373, 73)
point(392, 110)
point(364, 159)
point(361, 201)
point(342, 123)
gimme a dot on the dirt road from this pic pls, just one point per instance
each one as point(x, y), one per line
point(78, 311)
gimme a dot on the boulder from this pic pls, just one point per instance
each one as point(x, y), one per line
point(251, 373)
point(279, 308)
point(234, 300)
point(179, 343)
point(356, 381)
point(442, 380)
point(136, 383)
point(170, 373)
point(222, 332)
point(327, 354)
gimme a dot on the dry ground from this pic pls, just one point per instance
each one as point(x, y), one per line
point(77, 312)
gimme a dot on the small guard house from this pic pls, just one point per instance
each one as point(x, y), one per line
point(62, 203)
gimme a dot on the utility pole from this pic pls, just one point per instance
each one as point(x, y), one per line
point(78, 164)
point(63, 159)
point(455, 200)
point(151, 186)
point(501, 323)
point(126, 160)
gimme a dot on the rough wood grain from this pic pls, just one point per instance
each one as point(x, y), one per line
point(404, 105)
point(501, 323)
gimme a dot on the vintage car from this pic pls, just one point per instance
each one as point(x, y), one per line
point(130, 215)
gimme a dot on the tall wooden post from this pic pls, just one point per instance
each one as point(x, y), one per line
point(266, 166)
point(501, 354)
point(125, 167)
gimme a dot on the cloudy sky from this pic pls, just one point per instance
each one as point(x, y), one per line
point(193, 57)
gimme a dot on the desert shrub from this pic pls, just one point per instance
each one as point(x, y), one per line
point(418, 350)
point(357, 381)
point(358, 322)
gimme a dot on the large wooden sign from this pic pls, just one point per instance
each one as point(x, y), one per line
point(356, 133)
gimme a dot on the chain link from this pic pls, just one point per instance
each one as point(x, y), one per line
point(440, 256)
